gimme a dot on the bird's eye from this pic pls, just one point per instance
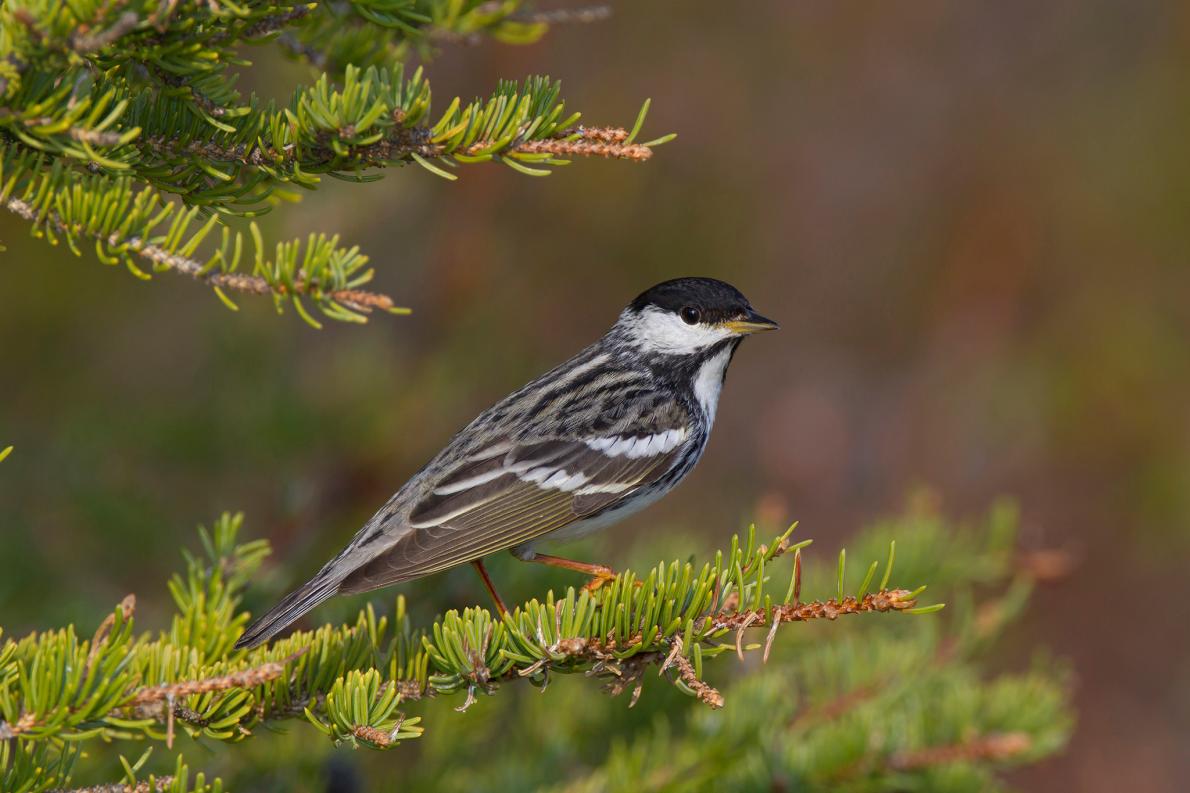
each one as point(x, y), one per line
point(690, 315)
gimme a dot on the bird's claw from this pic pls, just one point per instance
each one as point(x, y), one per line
point(599, 580)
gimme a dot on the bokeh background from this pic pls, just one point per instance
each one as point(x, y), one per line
point(970, 219)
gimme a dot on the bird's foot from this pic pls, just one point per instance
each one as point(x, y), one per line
point(599, 579)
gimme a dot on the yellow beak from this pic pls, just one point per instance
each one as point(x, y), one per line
point(750, 323)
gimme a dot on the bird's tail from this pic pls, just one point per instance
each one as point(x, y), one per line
point(290, 609)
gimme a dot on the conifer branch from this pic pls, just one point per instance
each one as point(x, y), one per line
point(247, 678)
point(98, 97)
point(350, 682)
point(603, 142)
point(354, 299)
point(898, 706)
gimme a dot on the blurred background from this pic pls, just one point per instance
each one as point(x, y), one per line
point(970, 220)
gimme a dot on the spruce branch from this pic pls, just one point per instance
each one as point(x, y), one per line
point(353, 682)
point(334, 302)
point(107, 98)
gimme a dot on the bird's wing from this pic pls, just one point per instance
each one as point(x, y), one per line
point(510, 493)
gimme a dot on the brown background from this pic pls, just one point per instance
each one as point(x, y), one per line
point(969, 218)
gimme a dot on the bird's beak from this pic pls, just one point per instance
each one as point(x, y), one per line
point(750, 323)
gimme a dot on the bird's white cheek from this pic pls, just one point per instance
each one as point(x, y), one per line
point(665, 332)
point(709, 382)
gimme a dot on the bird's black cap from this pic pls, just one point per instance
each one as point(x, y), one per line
point(716, 301)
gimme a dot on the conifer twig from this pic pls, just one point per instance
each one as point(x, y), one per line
point(994, 747)
point(247, 678)
point(568, 16)
point(159, 783)
point(403, 144)
point(831, 609)
point(705, 692)
point(86, 43)
point(358, 299)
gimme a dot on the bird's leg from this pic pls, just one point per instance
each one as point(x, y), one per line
point(487, 582)
point(600, 574)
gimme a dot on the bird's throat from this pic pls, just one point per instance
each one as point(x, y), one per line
point(708, 381)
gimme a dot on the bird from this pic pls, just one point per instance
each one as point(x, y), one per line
point(584, 445)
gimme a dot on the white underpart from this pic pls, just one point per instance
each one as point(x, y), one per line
point(709, 382)
point(639, 446)
point(656, 330)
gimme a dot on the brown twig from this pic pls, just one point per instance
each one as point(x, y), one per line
point(159, 783)
point(372, 735)
point(704, 691)
point(85, 43)
point(270, 24)
point(204, 102)
point(994, 747)
point(1047, 565)
point(603, 134)
point(247, 678)
point(95, 137)
point(838, 706)
point(127, 607)
point(585, 148)
point(885, 600)
point(567, 16)
point(357, 299)
point(401, 145)
point(376, 736)
point(296, 47)
point(24, 724)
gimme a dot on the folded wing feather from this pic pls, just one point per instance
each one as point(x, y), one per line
point(498, 500)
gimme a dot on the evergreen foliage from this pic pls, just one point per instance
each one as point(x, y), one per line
point(111, 108)
point(899, 703)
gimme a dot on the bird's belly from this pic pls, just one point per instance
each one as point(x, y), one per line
point(581, 528)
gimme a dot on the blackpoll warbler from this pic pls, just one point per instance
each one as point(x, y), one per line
point(586, 444)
